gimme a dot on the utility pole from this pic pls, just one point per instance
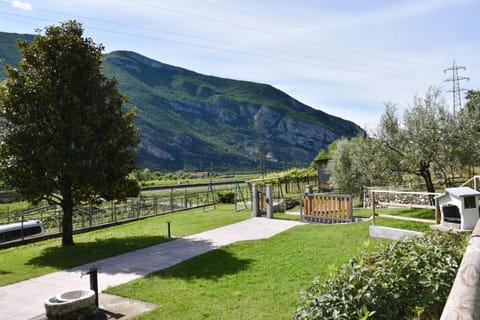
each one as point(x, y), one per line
point(263, 158)
point(456, 90)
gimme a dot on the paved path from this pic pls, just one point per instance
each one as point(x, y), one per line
point(24, 300)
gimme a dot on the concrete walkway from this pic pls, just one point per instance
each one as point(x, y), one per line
point(24, 300)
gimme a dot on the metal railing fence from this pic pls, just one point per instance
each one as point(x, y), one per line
point(113, 212)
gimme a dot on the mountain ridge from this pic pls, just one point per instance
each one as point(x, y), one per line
point(192, 121)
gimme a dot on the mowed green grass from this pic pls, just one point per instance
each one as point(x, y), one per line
point(39, 258)
point(250, 280)
point(404, 212)
point(401, 212)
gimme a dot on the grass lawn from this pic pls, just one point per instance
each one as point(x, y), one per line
point(401, 224)
point(39, 258)
point(404, 212)
point(249, 280)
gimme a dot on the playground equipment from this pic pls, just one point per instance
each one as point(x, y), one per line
point(209, 198)
point(239, 198)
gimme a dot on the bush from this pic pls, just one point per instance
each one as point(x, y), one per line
point(227, 197)
point(408, 279)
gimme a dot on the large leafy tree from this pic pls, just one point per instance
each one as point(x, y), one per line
point(65, 138)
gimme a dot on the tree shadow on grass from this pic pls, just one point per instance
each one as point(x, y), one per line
point(211, 265)
point(85, 252)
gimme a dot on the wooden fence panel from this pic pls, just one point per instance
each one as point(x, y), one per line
point(321, 208)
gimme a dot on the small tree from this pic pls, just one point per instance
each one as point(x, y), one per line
point(66, 139)
point(356, 163)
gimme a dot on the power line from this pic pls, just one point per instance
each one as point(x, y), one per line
point(199, 38)
point(239, 52)
point(234, 25)
point(456, 90)
point(276, 34)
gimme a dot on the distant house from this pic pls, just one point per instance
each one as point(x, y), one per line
point(459, 208)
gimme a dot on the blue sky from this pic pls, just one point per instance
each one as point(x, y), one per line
point(346, 58)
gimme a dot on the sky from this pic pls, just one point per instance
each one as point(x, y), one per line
point(344, 57)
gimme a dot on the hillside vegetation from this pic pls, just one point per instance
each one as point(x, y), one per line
point(191, 121)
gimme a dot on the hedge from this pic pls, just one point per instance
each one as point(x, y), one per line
point(408, 279)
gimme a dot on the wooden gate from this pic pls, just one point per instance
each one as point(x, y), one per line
point(321, 208)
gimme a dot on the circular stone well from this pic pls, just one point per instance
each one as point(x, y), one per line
point(71, 305)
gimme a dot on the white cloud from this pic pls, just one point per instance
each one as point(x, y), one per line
point(20, 4)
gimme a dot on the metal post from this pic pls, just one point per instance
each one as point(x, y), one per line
point(155, 206)
point(94, 284)
point(93, 273)
point(139, 207)
point(168, 230)
point(186, 200)
point(114, 211)
point(22, 229)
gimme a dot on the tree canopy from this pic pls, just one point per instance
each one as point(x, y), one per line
point(65, 138)
point(427, 142)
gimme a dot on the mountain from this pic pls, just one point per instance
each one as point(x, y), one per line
point(192, 121)
point(8, 48)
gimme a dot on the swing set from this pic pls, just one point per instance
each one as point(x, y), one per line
point(239, 199)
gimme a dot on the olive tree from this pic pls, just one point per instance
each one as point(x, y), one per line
point(355, 163)
point(428, 139)
point(66, 138)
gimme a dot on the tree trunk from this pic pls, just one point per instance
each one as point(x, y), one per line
point(67, 222)
point(427, 177)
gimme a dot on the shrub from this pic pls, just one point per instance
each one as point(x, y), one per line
point(408, 279)
point(226, 197)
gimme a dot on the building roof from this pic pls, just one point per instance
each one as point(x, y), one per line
point(461, 192)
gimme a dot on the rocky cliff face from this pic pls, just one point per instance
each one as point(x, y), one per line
point(193, 121)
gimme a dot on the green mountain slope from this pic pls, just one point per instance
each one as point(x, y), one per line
point(192, 121)
point(8, 48)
